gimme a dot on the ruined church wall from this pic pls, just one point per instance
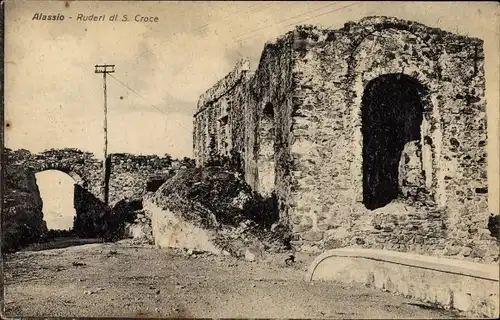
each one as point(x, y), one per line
point(220, 122)
point(272, 97)
point(319, 143)
point(464, 138)
point(331, 70)
point(239, 101)
point(130, 174)
point(314, 81)
point(451, 68)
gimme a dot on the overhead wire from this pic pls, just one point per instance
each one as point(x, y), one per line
point(306, 19)
point(224, 17)
point(194, 31)
point(322, 14)
point(253, 12)
point(151, 104)
point(281, 21)
point(197, 31)
point(250, 32)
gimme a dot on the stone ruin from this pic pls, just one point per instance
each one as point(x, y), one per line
point(371, 135)
point(130, 178)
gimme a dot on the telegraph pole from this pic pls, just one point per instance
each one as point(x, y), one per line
point(105, 69)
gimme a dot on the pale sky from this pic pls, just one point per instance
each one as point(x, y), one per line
point(57, 192)
point(54, 99)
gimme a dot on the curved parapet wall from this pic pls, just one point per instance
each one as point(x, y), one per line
point(466, 286)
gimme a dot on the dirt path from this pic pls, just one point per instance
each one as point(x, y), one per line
point(119, 280)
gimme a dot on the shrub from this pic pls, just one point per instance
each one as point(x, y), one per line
point(494, 226)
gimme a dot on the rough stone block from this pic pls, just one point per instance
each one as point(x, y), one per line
point(313, 236)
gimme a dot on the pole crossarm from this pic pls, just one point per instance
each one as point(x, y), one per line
point(104, 68)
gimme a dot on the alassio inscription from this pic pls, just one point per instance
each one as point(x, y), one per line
point(48, 17)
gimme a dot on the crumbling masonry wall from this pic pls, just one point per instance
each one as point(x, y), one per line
point(222, 117)
point(22, 217)
point(255, 109)
point(452, 209)
point(320, 87)
point(130, 175)
point(128, 180)
point(82, 166)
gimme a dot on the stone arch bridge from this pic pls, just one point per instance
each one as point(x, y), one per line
point(130, 178)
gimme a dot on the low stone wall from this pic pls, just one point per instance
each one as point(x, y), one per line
point(466, 286)
point(130, 174)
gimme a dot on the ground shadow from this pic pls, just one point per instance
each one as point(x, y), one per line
point(95, 219)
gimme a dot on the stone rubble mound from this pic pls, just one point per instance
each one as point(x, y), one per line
point(212, 209)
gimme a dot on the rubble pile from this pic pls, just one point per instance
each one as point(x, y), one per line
point(213, 209)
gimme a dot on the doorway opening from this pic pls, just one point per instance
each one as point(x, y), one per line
point(391, 112)
point(57, 190)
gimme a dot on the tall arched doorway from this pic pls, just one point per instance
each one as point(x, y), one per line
point(266, 161)
point(57, 192)
point(392, 112)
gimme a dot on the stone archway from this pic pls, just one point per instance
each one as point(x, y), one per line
point(91, 213)
point(392, 114)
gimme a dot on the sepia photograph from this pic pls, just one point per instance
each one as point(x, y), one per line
point(250, 159)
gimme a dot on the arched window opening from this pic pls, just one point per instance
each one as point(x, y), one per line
point(268, 111)
point(266, 146)
point(392, 112)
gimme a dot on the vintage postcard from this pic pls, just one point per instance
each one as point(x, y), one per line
point(250, 159)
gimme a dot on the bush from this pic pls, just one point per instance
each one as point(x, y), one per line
point(494, 226)
point(219, 190)
point(188, 162)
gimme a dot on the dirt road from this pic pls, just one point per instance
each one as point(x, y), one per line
point(118, 280)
